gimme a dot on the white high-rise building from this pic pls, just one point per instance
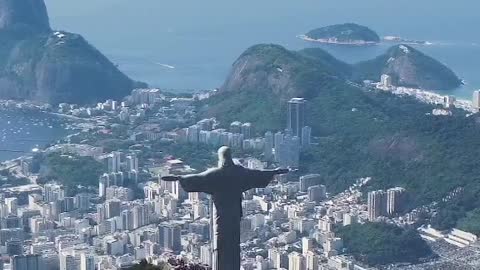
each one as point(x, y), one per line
point(169, 236)
point(247, 130)
point(317, 193)
point(199, 210)
point(476, 99)
point(312, 261)
point(103, 183)
point(269, 144)
point(306, 136)
point(278, 258)
point(307, 245)
point(114, 161)
point(206, 254)
point(192, 134)
point(87, 262)
point(449, 101)
point(296, 116)
point(349, 219)
point(377, 204)
point(309, 180)
point(278, 139)
point(258, 220)
point(67, 261)
point(395, 200)
point(26, 262)
point(53, 192)
point(296, 261)
point(132, 163)
point(12, 205)
point(112, 208)
point(386, 81)
point(288, 151)
point(236, 127)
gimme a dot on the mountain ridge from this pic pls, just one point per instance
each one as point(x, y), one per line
point(19, 15)
point(408, 67)
point(39, 64)
point(360, 132)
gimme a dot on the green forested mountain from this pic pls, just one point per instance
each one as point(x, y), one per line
point(39, 64)
point(361, 132)
point(408, 67)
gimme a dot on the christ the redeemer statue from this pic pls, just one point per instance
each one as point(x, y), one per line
point(225, 184)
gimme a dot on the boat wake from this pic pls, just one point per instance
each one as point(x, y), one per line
point(165, 65)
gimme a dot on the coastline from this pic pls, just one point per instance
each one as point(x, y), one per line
point(386, 39)
point(427, 96)
point(336, 42)
point(68, 124)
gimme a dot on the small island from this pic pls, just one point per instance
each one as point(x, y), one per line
point(343, 34)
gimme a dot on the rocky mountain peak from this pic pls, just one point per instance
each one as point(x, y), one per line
point(24, 15)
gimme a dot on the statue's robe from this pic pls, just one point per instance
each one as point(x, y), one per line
point(226, 185)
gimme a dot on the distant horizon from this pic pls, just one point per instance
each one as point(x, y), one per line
point(194, 47)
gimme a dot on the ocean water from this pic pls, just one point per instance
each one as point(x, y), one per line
point(21, 131)
point(192, 44)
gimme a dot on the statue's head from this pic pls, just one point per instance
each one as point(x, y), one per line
point(224, 156)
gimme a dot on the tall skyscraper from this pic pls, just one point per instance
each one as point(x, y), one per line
point(296, 116)
point(311, 260)
point(87, 262)
point(53, 192)
point(377, 204)
point(278, 139)
point(132, 163)
point(12, 204)
point(309, 180)
point(307, 245)
point(278, 258)
point(114, 161)
point(112, 208)
point(67, 261)
point(26, 262)
point(192, 134)
point(306, 136)
point(169, 236)
point(317, 193)
point(395, 200)
point(296, 261)
point(386, 81)
point(288, 152)
point(247, 130)
point(236, 127)
point(476, 99)
point(269, 143)
point(206, 254)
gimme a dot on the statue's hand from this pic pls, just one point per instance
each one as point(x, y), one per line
point(282, 171)
point(171, 178)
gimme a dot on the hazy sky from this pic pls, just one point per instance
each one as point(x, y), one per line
point(202, 38)
point(436, 16)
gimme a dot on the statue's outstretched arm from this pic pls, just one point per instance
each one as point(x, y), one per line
point(192, 182)
point(171, 178)
point(260, 178)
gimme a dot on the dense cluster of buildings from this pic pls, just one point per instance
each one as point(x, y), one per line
point(448, 102)
point(290, 224)
point(281, 147)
